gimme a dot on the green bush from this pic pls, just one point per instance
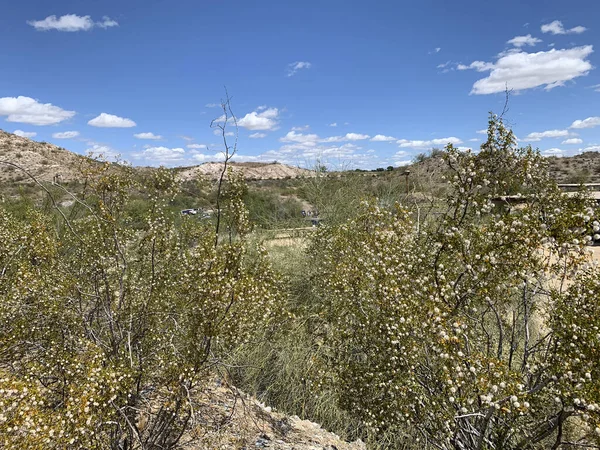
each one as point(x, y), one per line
point(462, 333)
point(106, 331)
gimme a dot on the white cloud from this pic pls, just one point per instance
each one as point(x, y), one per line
point(356, 136)
point(538, 136)
point(257, 135)
point(219, 132)
point(437, 49)
point(334, 124)
point(202, 157)
point(553, 152)
point(521, 70)
point(25, 134)
point(557, 27)
point(596, 87)
point(107, 22)
point(65, 135)
point(521, 41)
point(383, 138)
point(302, 128)
point(475, 140)
point(103, 151)
point(590, 122)
point(296, 66)
point(572, 141)
point(161, 156)
point(433, 142)
point(347, 137)
point(148, 136)
point(71, 23)
point(479, 66)
point(105, 120)
point(196, 146)
point(265, 120)
point(28, 110)
point(593, 148)
point(481, 131)
point(212, 105)
point(292, 136)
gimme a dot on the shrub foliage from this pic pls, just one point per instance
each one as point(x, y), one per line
point(106, 330)
point(476, 329)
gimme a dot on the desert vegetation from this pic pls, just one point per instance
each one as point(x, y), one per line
point(425, 313)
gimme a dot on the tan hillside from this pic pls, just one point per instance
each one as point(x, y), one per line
point(44, 161)
point(252, 171)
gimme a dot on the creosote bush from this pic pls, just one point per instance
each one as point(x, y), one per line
point(106, 330)
point(477, 329)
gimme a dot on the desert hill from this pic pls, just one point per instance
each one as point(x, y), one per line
point(252, 171)
point(45, 161)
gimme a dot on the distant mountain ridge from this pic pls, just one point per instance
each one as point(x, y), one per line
point(46, 161)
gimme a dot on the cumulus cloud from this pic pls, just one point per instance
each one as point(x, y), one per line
point(105, 120)
point(302, 128)
point(258, 135)
point(430, 143)
point(347, 137)
point(71, 23)
point(162, 156)
point(196, 146)
point(593, 148)
point(538, 136)
point(590, 122)
point(219, 132)
point(107, 22)
point(102, 151)
point(334, 124)
point(265, 120)
point(356, 136)
point(520, 70)
point(553, 152)
point(572, 141)
point(28, 110)
point(152, 136)
point(294, 67)
point(65, 135)
point(292, 136)
point(522, 41)
point(557, 27)
point(25, 134)
point(383, 138)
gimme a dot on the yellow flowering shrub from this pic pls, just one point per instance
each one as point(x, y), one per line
point(106, 331)
point(474, 329)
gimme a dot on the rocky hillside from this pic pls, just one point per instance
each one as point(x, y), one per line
point(44, 161)
point(252, 171)
point(229, 419)
point(582, 168)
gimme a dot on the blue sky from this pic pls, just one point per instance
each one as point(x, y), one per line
point(352, 83)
